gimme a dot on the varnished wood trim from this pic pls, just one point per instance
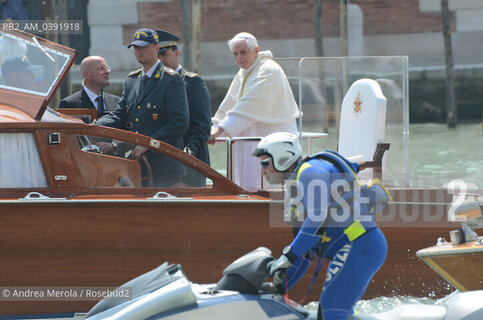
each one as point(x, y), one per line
point(220, 183)
point(89, 112)
point(444, 274)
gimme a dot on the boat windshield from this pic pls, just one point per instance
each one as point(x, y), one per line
point(29, 67)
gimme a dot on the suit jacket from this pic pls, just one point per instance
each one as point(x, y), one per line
point(199, 104)
point(159, 111)
point(80, 99)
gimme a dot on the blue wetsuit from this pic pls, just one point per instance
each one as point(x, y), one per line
point(338, 223)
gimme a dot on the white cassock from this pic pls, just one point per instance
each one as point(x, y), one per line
point(258, 102)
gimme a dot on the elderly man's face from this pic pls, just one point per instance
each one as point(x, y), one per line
point(97, 72)
point(243, 55)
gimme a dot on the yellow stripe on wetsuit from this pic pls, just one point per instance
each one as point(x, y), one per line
point(355, 230)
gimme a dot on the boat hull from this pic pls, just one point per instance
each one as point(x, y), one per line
point(76, 243)
point(458, 263)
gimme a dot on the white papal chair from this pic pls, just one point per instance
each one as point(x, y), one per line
point(362, 126)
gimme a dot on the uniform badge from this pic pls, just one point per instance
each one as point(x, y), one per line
point(155, 116)
point(358, 104)
point(191, 74)
point(148, 105)
point(132, 73)
point(157, 75)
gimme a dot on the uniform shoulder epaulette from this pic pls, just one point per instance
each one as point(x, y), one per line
point(135, 72)
point(170, 71)
point(191, 74)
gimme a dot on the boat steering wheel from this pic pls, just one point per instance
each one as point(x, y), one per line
point(147, 179)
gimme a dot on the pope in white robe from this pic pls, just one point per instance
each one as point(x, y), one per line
point(258, 102)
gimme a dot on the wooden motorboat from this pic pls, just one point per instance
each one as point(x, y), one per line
point(74, 217)
point(460, 261)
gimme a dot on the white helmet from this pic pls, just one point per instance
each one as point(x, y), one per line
point(283, 147)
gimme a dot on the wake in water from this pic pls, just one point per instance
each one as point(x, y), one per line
point(383, 304)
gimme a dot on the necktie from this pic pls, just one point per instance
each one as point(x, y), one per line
point(144, 80)
point(100, 106)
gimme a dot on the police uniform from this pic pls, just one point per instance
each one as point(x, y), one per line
point(159, 110)
point(199, 104)
point(196, 138)
point(342, 230)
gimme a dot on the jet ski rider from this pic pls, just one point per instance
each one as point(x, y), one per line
point(336, 220)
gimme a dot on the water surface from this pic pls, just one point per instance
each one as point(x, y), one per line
point(437, 154)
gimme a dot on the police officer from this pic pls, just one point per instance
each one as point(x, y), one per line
point(153, 103)
point(199, 104)
point(336, 214)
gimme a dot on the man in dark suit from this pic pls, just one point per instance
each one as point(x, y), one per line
point(95, 74)
point(153, 103)
point(199, 104)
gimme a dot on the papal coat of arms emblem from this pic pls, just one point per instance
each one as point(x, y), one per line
point(358, 104)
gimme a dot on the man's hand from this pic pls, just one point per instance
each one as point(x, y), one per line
point(138, 152)
point(215, 133)
point(106, 147)
point(278, 269)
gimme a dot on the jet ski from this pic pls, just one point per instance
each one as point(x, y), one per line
point(242, 293)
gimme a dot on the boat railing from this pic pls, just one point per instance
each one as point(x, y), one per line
point(466, 210)
point(230, 144)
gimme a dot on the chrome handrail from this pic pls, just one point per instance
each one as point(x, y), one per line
point(231, 141)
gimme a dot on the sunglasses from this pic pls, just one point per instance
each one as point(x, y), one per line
point(104, 69)
point(265, 163)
